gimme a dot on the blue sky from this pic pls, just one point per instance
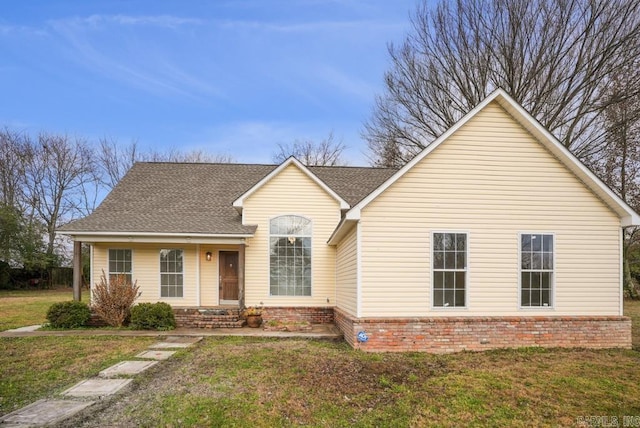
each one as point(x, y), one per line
point(233, 77)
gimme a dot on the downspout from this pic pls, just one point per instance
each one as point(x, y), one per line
point(621, 258)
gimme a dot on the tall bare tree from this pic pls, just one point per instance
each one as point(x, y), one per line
point(56, 178)
point(327, 152)
point(618, 164)
point(193, 156)
point(14, 150)
point(555, 57)
point(115, 160)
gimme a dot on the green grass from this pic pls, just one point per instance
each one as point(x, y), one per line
point(632, 309)
point(35, 367)
point(21, 308)
point(264, 383)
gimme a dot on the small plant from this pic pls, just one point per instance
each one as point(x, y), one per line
point(68, 314)
point(152, 316)
point(112, 300)
point(253, 311)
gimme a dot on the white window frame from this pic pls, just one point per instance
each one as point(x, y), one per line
point(310, 236)
point(433, 270)
point(160, 273)
point(109, 272)
point(552, 282)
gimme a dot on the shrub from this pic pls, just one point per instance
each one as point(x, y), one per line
point(68, 314)
point(112, 300)
point(153, 316)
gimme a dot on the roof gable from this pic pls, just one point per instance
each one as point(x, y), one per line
point(627, 215)
point(239, 202)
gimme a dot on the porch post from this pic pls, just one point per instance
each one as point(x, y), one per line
point(241, 275)
point(77, 270)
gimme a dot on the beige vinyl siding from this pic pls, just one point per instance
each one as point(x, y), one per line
point(291, 192)
point(347, 273)
point(492, 180)
point(146, 270)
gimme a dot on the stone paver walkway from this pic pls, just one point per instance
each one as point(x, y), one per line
point(43, 412)
point(156, 355)
point(84, 393)
point(127, 368)
point(96, 388)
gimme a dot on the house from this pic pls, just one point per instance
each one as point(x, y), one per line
point(494, 236)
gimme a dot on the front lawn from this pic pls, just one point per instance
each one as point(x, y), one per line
point(19, 308)
point(263, 383)
point(632, 309)
point(35, 367)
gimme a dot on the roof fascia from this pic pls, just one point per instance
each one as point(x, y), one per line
point(341, 230)
point(238, 203)
point(144, 237)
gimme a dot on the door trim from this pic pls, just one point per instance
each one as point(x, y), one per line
point(222, 301)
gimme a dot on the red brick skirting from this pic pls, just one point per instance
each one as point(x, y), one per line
point(314, 315)
point(453, 334)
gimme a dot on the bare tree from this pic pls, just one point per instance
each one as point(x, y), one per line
point(115, 160)
point(555, 57)
point(56, 178)
point(193, 156)
point(327, 152)
point(618, 164)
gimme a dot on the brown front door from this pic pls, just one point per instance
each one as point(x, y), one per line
point(228, 275)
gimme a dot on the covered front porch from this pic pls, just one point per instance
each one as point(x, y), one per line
point(186, 272)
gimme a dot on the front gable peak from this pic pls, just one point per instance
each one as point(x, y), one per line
point(291, 161)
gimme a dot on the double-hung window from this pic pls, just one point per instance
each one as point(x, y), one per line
point(120, 264)
point(290, 256)
point(449, 269)
point(171, 273)
point(536, 270)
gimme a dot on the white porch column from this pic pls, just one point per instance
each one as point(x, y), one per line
point(241, 275)
point(77, 270)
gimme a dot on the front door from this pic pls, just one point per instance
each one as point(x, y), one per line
point(228, 276)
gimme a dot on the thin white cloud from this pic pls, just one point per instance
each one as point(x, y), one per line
point(314, 26)
point(166, 21)
point(21, 30)
point(257, 141)
point(134, 64)
point(347, 84)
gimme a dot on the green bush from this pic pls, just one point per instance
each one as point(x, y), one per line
point(68, 314)
point(152, 316)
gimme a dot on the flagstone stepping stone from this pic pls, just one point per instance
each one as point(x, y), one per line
point(96, 387)
point(176, 342)
point(127, 368)
point(44, 412)
point(156, 355)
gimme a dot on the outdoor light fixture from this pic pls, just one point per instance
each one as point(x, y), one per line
point(208, 255)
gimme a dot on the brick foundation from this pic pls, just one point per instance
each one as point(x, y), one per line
point(208, 318)
point(314, 315)
point(453, 334)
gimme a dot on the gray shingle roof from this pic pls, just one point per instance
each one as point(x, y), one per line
point(197, 197)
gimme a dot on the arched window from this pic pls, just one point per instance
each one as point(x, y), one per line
point(290, 256)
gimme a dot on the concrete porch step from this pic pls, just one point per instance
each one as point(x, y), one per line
point(210, 317)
